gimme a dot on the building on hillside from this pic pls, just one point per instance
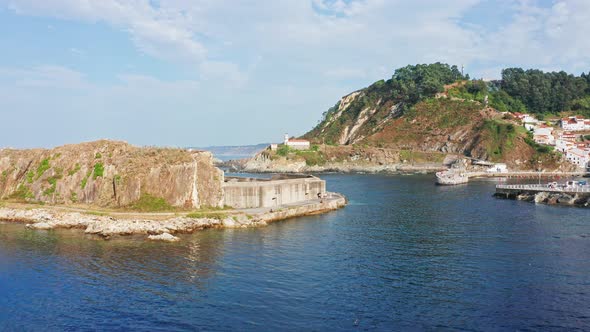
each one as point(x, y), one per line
point(527, 118)
point(564, 145)
point(498, 168)
point(578, 157)
point(544, 139)
point(274, 147)
point(543, 134)
point(297, 144)
point(519, 116)
point(575, 123)
point(530, 126)
point(567, 136)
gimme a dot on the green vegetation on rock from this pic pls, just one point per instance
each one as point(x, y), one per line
point(44, 166)
point(85, 180)
point(98, 170)
point(22, 192)
point(408, 86)
point(149, 203)
point(74, 170)
point(500, 138)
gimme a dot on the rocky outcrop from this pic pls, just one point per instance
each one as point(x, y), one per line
point(156, 226)
point(166, 237)
point(346, 159)
point(110, 173)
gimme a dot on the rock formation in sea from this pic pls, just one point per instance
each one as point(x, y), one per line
point(111, 174)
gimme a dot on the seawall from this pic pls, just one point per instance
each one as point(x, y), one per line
point(542, 194)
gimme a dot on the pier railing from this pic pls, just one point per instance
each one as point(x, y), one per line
point(525, 174)
point(546, 187)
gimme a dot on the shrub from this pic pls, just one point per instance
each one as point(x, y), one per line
point(149, 203)
point(44, 166)
point(98, 170)
point(23, 193)
point(283, 150)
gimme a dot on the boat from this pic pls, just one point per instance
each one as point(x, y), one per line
point(451, 177)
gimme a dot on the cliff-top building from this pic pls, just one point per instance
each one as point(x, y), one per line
point(298, 144)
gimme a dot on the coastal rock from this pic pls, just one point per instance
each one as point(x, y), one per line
point(108, 226)
point(167, 237)
point(110, 174)
point(41, 226)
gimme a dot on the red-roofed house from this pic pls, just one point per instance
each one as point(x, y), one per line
point(573, 123)
point(298, 144)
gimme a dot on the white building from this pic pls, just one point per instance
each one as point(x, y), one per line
point(578, 157)
point(544, 135)
point(564, 145)
point(527, 118)
point(575, 123)
point(298, 144)
point(498, 168)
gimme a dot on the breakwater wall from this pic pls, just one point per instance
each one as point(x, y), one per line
point(246, 193)
point(539, 193)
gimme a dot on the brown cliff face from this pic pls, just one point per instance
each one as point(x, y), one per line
point(110, 174)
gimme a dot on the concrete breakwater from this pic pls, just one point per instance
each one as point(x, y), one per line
point(453, 177)
point(157, 225)
point(539, 193)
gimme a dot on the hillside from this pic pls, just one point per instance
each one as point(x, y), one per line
point(433, 109)
point(110, 174)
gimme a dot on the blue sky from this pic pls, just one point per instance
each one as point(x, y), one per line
point(220, 72)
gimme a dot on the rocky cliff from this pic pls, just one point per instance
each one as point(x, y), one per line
point(110, 174)
point(427, 109)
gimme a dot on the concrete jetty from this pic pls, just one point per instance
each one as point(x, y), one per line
point(536, 188)
point(571, 193)
point(465, 176)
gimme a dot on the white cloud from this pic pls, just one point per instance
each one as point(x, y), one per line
point(155, 32)
point(286, 61)
point(46, 76)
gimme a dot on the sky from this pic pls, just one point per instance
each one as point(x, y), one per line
point(226, 72)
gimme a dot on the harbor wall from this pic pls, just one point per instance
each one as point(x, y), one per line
point(242, 193)
point(573, 196)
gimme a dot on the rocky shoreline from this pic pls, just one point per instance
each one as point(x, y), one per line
point(107, 226)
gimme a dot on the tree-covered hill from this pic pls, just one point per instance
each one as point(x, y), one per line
point(434, 107)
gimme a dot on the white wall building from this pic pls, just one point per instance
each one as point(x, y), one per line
point(575, 123)
point(564, 145)
point(544, 135)
point(298, 144)
point(578, 157)
point(498, 168)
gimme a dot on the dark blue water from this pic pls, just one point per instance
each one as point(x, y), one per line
point(404, 255)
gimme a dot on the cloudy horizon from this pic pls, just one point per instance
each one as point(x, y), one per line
point(203, 73)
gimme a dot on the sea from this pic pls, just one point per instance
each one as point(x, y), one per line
point(404, 255)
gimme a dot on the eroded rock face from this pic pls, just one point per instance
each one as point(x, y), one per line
point(110, 173)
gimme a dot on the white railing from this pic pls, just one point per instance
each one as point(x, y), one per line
point(545, 187)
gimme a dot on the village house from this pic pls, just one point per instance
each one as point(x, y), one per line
point(297, 144)
point(567, 136)
point(543, 134)
point(575, 123)
point(578, 157)
point(564, 145)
